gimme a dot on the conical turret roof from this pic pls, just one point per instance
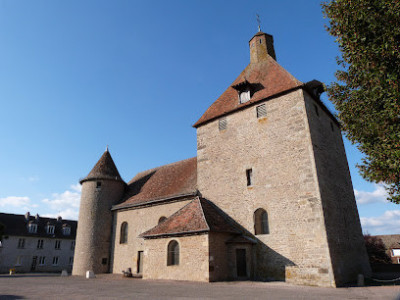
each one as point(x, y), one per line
point(104, 169)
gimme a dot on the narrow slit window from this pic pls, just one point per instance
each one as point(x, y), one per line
point(249, 176)
point(222, 124)
point(332, 127)
point(261, 111)
point(316, 110)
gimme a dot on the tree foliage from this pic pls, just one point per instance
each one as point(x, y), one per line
point(376, 250)
point(366, 95)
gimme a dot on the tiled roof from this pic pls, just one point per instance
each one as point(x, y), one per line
point(168, 181)
point(390, 240)
point(17, 225)
point(198, 216)
point(270, 78)
point(104, 169)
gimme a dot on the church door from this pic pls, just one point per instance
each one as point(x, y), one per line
point(241, 267)
point(140, 262)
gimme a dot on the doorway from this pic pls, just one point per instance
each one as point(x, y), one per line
point(140, 262)
point(241, 266)
point(34, 262)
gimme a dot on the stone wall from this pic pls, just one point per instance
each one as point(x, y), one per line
point(93, 240)
point(193, 259)
point(9, 252)
point(279, 151)
point(139, 220)
point(346, 243)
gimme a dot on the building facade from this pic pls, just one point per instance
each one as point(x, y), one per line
point(268, 197)
point(36, 244)
point(392, 244)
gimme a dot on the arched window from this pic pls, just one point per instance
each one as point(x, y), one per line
point(162, 219)
point(173, 253)
point(261, 222)
point(123, 238)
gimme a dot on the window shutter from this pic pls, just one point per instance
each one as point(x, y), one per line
point(261, 111)
point(222, 124)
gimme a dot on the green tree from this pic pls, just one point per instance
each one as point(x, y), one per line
point(376, 250)
point(366, 94)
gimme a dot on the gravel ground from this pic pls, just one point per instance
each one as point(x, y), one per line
point(111, 286)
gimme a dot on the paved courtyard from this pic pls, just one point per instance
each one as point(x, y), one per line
point(49, 286)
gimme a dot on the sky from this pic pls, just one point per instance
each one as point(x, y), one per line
point(78, 75)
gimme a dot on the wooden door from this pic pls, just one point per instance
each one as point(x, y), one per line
point(140, 262)
point(241, 266)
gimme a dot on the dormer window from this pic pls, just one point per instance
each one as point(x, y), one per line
point(244, 96)
point(50, 229)
point(32, 228)
point(66, 230)
point(246, 90)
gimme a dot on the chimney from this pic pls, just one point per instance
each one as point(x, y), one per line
point(261, 46)
point(59, 219)
point(27, 216)
point(37, 217)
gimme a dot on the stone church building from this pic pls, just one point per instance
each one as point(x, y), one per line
point(268, 197)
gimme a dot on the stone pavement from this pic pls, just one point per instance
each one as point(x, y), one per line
point(111, 286)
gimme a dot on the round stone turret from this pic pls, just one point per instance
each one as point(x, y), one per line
point(101, 189)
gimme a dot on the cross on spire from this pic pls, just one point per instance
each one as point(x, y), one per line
point(259, 22)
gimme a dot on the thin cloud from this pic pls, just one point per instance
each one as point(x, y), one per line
point(387, 223)
point(15, 201)
point(379, 195)
point(65, 204)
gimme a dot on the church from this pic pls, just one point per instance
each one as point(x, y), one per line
point(268, 197)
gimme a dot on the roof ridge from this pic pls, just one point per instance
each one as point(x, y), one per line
point(166, 165)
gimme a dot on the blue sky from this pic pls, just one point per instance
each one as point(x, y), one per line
point(76, 76)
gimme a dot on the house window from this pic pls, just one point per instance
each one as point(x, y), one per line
point(162, 219)
point(42, 260)
point(66, 230)
point(244, 96)
point(395, 252)
point(50, 229)
point(40, 244)
point(173, 253)
point(71, 261)
point(261, 222)
point(249, 176)
point(18, 262)
point(72, 245)
point(261, 111)
point(32, 228)
point(123, 238)
point(55, 261)
point(57, 245)
point(21, 243)
point(222, 124)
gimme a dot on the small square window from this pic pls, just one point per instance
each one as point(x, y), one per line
point(104, 261)
point(98, 184)
point(222, 124)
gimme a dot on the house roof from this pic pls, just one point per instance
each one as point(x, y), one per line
point(198, 216)
point(390, 240)
point(104, 169)
point(270, 77)
point(17, 225)
point(169, 181)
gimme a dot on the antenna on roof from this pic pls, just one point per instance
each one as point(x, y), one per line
point(259, 22)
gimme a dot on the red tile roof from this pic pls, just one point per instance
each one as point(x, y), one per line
point(104, 169)
point(173, 180)
point(268, 75)
point(198, 216)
